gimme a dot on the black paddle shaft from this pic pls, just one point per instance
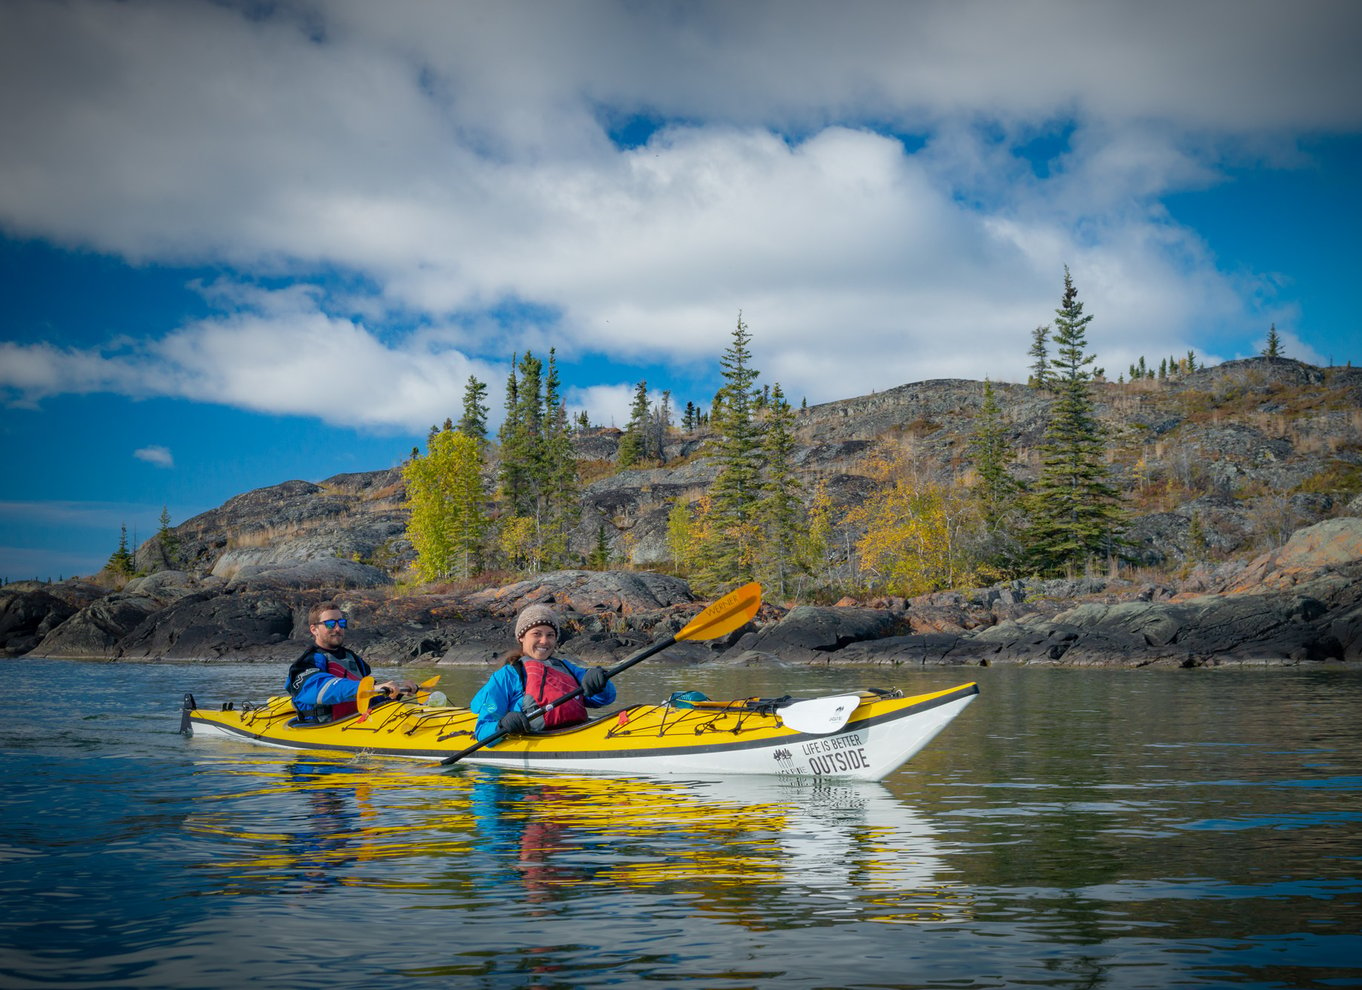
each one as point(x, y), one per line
point(537, 710)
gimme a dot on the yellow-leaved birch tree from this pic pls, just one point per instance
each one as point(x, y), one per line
point(446, 497)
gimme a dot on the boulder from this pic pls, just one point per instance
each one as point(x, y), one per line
point(95, 630)
point(619, 592)
point(808, 633)
point(320, 572)
point(209, 624)
point(26, 617)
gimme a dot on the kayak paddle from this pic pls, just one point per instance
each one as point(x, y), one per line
point(731, 611)
point(365, 693)
point(820, 715)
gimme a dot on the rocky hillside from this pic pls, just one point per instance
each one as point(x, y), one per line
point(1219, 468)
point(1253, 449)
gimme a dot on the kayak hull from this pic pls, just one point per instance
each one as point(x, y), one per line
point(880, 735)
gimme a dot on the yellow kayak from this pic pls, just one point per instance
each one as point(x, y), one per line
point(864, 735)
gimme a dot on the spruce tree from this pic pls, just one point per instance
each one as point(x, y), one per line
point(634, 444)
point(1074, 511)
point(559, 495)
point(996, 494)
point(728, 555)
point(781, 509)
point(1274, 343)
point(121, 560)
point(473, 422)
point(599, 559)
point(1040, 359)
point(514, 469)
point(170, 543)
point(660, 425)
point(996, 490)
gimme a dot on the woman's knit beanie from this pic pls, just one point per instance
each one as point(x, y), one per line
point(536, 615)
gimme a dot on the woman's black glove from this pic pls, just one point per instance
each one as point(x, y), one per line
point(594, 680)
point(514, 722)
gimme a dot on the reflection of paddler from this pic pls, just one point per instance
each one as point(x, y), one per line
point(333, 823)
point(523, 827)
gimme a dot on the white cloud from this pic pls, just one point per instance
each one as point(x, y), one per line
point(155, 454)
point(605, 405)
point(456, 158)
point(280, 355)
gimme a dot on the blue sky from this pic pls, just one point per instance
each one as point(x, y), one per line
point(244, 243)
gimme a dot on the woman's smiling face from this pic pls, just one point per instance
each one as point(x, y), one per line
point(537, 642)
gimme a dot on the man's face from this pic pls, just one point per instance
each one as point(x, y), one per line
point(538, 642)
point(328, 638)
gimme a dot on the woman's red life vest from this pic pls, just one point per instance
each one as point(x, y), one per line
point(544, 683)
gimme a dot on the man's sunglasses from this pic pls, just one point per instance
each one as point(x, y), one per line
point(333, 623)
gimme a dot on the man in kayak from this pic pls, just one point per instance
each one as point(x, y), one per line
point(532, 676)
point(325, 679)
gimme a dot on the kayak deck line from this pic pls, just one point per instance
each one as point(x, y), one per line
point(883, 731)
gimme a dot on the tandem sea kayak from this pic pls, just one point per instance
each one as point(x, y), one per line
point(864, 735)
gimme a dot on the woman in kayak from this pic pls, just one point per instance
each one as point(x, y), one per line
point(532, 676)
point(324, 681)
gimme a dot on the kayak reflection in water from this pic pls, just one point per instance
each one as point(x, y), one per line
point(332, 835)
point(324, 682)
point(533, 676)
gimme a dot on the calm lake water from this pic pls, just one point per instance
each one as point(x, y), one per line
point(1073, 828)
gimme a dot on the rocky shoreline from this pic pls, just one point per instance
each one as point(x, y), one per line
point(1299, 604)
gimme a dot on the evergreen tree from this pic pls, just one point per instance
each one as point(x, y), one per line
point(1040, 359)
point(728, 552)
point(1274, 343)
point(170, 543)
point(1074, 511)
point(661, 425)
point(448, 525)
point(473, 422)
point(559, 503)
point(996, 494)
point(121, 561)
point(634, 444)
point(996, 489)
point(599, 559)
point(781, 509)
point(512, 437)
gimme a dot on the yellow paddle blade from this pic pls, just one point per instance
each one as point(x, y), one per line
point(363, 695)
point(731, 611)
point(425, 687)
